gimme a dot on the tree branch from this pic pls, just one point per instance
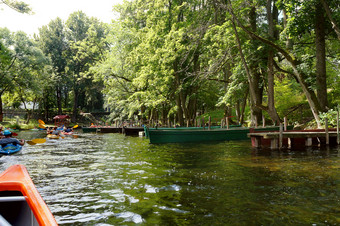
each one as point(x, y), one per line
point(329, 14)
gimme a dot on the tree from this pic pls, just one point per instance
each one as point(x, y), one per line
point(18, 6)
point(85, 38)
point(53, 42)
point(22, 68)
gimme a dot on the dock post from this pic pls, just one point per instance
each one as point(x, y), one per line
point(227, 122)
point(222, 123)
point(257, 142)
point(280, 135)
point(337, 128)
point(273, 143)
point(326, 131)
point(263, 121)
point(285, 123)
point(308, 142)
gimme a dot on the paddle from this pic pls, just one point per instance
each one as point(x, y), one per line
point(42, 126)
point(41, 122)
point(36, 141)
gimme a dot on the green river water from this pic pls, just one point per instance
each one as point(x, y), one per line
point(110, 179)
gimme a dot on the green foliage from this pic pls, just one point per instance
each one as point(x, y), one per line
point(287, 96)
point(19, 6)
point(216, 116)
point(164, 59)
point(331, 116)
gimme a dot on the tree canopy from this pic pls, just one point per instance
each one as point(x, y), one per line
point(175, 60)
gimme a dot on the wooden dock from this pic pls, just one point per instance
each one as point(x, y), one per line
point(294, 138)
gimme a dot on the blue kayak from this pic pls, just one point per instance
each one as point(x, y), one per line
point(10, 149)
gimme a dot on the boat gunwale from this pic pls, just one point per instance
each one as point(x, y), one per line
point(17, 178)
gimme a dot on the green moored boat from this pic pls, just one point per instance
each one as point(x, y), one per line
point(147, 129)
point(158, 136)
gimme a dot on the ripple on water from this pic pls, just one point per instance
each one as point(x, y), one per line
point(130, 217)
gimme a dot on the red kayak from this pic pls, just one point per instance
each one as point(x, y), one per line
point(20, 201)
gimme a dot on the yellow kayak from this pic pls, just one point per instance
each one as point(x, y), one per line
point(53, 136)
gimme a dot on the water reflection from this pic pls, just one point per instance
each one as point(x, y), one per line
point(109, 179)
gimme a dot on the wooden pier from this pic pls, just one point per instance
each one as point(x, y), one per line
point(292, 138)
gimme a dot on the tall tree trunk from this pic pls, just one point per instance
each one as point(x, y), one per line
point(1, 110)
point(321, 77)
point(59, 100)
point(289, 41)
point(309, 93)
point(46, 110)
point(252, 89)
point(178, 97)
point(226, 77)
point(75, 105)
point(243, 108)
point(255, 77)
point(142, 111)
point(164, 114)
point(270, 72)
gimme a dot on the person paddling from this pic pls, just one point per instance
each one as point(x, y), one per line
point(8, 139)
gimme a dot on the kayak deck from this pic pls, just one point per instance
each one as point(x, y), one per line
point(10, 149)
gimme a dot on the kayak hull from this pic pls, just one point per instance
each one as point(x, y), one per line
point(20, 201)
point(10, 149)
point(52, 136)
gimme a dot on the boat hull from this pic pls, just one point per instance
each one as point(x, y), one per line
point(21, 203)
point(53, 136)
point(147, 129)
point(197, 136)
point(10, 149)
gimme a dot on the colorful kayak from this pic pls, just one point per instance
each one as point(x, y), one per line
point(67, 133)
point(10, 149)
point(20, 201)
point(52, 136)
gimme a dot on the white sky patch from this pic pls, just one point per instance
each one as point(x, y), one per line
point(47, 10)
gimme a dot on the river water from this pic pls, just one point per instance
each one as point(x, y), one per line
point(110, 179)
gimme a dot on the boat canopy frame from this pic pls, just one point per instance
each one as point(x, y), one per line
point(60, 120)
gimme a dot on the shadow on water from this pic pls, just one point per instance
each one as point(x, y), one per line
point(112, 179)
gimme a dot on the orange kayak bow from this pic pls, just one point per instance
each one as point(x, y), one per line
point(19, 199)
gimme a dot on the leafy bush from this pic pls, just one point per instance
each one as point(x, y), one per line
point(331, 115)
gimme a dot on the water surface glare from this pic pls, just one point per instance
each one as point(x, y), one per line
point(110, 179)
